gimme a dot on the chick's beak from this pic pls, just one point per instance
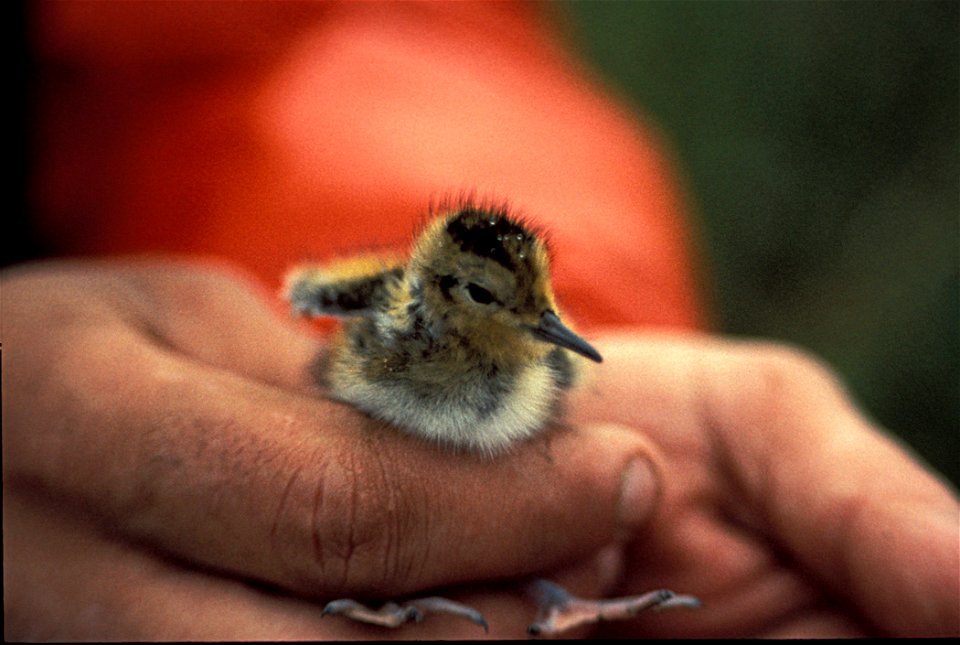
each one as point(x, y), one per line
point(551, 330)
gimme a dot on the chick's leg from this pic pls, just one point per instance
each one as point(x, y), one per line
point(560, 611)
point(393, 614)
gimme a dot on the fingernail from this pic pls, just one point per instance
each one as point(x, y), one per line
point(638, 495)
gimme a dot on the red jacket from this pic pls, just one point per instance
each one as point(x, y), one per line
point(273, 133)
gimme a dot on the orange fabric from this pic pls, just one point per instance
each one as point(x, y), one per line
point(272, 133)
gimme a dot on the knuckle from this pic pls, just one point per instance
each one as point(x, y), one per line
point(764, 382)
point(785, 368)
point(766, 397)
point(777, 383)
point(365, 525)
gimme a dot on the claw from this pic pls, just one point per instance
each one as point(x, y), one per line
point(389, 615)
point(437, 605)
point(393, 615)
point(561, 611)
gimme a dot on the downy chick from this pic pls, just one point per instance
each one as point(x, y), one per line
point(461, 345)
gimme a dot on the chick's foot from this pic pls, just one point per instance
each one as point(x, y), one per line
point(561, 611)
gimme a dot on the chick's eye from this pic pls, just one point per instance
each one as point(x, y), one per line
point(479, 295)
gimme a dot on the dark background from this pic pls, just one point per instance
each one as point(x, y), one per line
point(818, 143)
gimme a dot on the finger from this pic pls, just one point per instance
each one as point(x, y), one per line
point(817, 622)
point(762, 449)
point(64, 580)
point(297, 491)
point(846, 500)
point(210, 312)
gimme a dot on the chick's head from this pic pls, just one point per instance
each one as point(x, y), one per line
point(486, 278)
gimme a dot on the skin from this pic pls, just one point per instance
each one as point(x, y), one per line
point(169, 473)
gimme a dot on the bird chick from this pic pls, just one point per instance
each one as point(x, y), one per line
point(462, 344)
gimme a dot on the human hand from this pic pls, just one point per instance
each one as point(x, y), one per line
point(170, 473)
point(784, 509)
point(157, 467)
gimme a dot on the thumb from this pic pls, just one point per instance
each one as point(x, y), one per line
point(411, 516)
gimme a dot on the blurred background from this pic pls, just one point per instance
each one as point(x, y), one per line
point(818, 142)
point(819, 145)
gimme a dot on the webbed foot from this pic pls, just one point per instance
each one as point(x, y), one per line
point(560, 611)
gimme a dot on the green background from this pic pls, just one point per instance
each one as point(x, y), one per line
point(818, 143)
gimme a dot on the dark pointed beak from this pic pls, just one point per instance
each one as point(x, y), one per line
point(551, 330)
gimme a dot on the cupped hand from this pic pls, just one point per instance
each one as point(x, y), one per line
point(782, 507)
point(171, 472)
